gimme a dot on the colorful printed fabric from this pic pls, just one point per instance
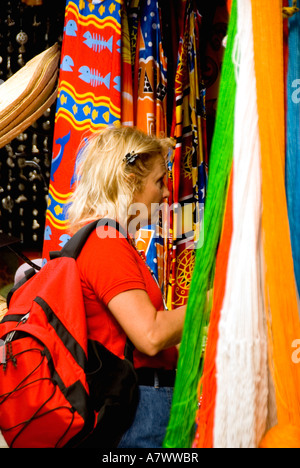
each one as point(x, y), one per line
point(188, 166)
point(150, 84)
point(133, 9)
point(150, 105)
point(181, 429)
point(89, 99)
point(113, 68)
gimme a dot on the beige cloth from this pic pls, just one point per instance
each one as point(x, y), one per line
point(26, 95)
point(3, 307)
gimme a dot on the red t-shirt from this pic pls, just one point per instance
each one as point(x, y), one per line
point(108, 266)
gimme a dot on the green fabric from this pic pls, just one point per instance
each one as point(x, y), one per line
point(181, 429)
point(5, 290)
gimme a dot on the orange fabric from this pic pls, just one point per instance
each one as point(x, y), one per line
point(229, 5)
point(205, 416)
point(150, 82)
point(281, 437)
point(280, 290)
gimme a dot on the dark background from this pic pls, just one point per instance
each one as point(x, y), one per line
point(24, 186)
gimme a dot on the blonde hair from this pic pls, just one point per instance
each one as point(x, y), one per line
point(105, 182)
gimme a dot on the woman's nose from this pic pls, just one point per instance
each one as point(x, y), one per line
point(166, 192)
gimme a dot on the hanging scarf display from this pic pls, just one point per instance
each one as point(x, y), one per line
point(130, 85)
point(241, 359)
point(133, 12)
point(150, 106)
point(188, 164)
point(280, 289)
point(208, 382)
point(127, 110)
point(293, 139)
point(236, 263)
point(150, 83)
point(89, 99)
point(250, 380)
point(181, 429)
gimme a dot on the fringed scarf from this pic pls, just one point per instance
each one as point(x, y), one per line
point(241, 358)
point(181, 429)
point(254, 320)
point(280, 288)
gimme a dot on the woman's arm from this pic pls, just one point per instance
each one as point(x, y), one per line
point(149, 330)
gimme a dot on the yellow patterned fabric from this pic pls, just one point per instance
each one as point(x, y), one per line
point(188, 164)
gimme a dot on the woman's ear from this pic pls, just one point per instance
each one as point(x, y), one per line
point(133, 181)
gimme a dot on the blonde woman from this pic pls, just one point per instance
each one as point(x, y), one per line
point(122, 176)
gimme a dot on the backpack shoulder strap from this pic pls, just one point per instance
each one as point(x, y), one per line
point(74, 246)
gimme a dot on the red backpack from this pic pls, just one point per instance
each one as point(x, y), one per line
point(57, 388)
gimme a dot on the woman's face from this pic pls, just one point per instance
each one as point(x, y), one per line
point(153, 193)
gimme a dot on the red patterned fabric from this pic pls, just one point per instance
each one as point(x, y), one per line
point(89, 99)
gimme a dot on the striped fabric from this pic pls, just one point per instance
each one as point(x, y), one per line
point(89, 99)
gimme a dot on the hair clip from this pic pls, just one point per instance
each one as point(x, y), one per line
point(130, 157)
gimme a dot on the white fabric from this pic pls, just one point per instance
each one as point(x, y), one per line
point(242, 371)
point(21, 270)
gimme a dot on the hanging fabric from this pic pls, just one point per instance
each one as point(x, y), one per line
point(241, 360)
point(293, 139)
point(260, 284)
point(237, 415)
point(236, 345)
point(207, 388)
point(188, 164)
point(89, 99)
point(150, 84)
point(215, 25)
point(280, 289)
point(150, 107)
point(133, 13)
point(127, 109)
point(181, 429)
